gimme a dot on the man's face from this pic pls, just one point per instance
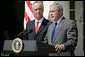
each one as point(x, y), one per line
point(54, 13)
point(38, 10)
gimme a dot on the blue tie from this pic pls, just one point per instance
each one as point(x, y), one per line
point(53, 33)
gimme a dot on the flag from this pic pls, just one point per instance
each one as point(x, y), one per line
point(28, 15)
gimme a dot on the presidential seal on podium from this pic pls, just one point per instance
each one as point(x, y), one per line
point(17, 45)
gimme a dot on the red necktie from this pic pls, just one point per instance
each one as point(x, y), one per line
point(36, 27)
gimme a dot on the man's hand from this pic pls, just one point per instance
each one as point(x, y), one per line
point(59, 48)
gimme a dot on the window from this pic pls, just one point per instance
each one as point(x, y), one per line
point(72, 10)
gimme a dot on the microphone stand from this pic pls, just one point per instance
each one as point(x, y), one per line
point(23, 34)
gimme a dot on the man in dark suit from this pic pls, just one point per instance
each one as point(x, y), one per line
point(62, 33)
point(38, 31)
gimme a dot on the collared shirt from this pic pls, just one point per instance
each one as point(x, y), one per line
point(58, 21)
point(40, 21)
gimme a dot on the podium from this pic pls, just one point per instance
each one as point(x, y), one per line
point(30, 48)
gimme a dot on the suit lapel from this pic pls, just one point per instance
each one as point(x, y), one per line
point(50, 32)
point(33, 25)
point(58, 29)
point(42, 26)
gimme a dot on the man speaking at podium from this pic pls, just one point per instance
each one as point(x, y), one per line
point(38, 26)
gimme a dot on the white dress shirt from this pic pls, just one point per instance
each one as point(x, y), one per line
point(40, 21)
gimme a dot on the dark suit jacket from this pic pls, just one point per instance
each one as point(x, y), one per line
point(41, 32)
point(66, 34)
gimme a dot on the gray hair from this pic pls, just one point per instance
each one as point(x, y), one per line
point(59, 6)
point(37, 2)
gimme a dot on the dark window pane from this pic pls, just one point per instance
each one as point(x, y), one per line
point(72, 4)
point(72, 15)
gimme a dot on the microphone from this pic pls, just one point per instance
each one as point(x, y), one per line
point(27, 31)
point(23, 33)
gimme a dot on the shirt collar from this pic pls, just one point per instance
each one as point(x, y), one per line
point(59, 20)
point(40, 21)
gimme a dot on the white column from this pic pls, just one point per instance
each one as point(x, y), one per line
point(79, 20)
